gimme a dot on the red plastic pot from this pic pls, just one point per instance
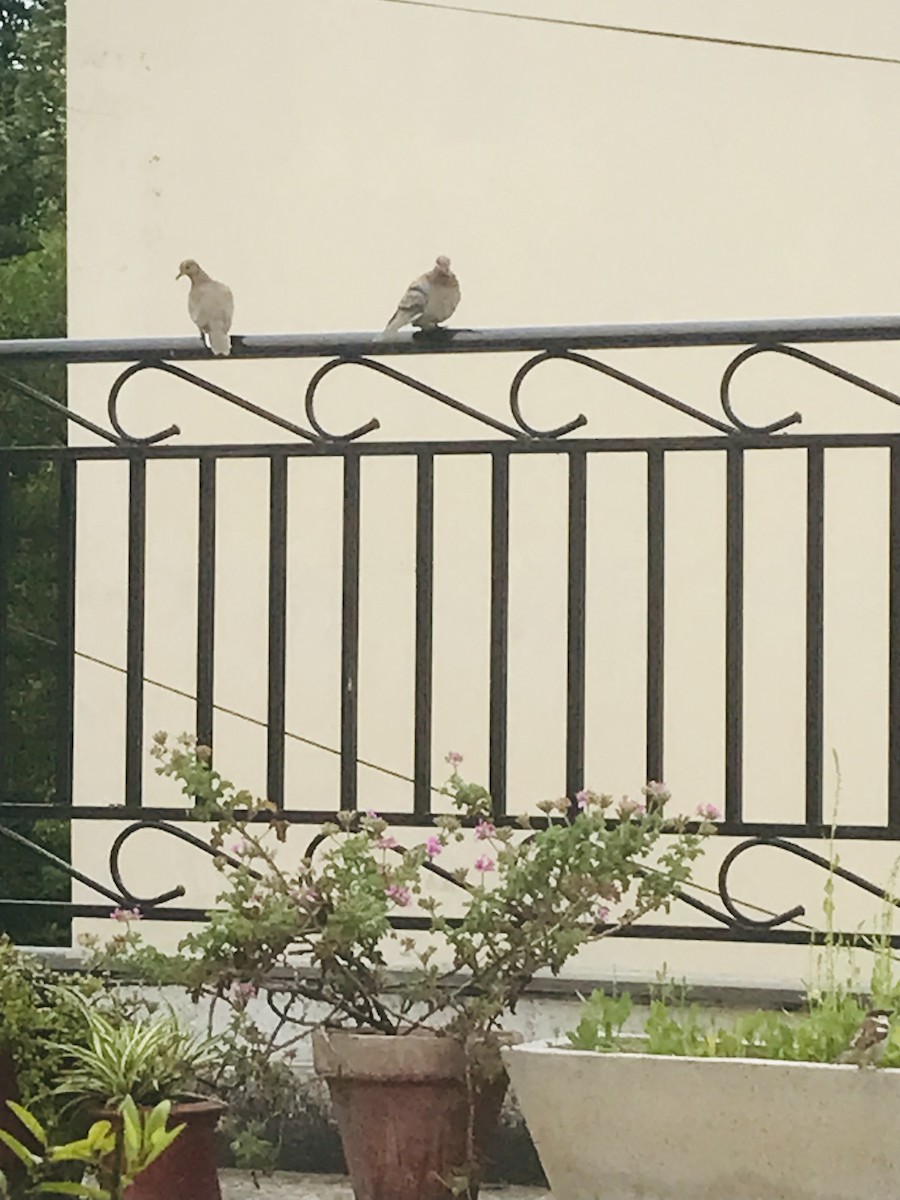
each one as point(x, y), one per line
point(187, 1170)
point(401, 1105)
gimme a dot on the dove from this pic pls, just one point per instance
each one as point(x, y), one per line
point(211, 306)
point(429, 300)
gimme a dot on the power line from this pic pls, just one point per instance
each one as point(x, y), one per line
point(228, 712)
point(166, 687)
point(658, 33)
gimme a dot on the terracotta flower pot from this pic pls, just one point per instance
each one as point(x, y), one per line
point(188, 1169)
point(401, 1105)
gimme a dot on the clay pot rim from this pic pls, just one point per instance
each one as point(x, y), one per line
point(340, 1053)
point(193, 1106)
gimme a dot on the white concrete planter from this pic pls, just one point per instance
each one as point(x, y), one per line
point(648, 1127)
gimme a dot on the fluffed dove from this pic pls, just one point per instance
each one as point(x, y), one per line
point(211, 306)
point(429, 300)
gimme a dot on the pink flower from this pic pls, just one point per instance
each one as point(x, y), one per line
point(242, 992)
point(433, 847)
point(399, 894)
point(709, 812)
point(453, 757)
point(485, 830)
point(484, 864)
point(125, 914)
point(238, 849)
point(583, 798)
point(602, 914)
point(386, 842)
point(628, 807)
point(372, 814)
point(657, 791)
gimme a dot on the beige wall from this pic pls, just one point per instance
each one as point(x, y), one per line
point(316, 156)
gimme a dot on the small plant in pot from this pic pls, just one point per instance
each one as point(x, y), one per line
point(145, 1061)
point(115, 1153)
point(783, 1103)
point(412, 1057)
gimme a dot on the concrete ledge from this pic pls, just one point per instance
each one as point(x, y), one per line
point(718, 992)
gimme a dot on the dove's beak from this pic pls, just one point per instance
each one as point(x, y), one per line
point(179, 275)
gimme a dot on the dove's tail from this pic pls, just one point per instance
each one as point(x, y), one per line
point(219, 341)
point(400, 318)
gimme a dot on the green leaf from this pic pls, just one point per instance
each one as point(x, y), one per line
point(31, 1123)
point(65, 1188)
point(162, 1140)
point(21, 1152)
point(157, 1119)
point(131, 1127)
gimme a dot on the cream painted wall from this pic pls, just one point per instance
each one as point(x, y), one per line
point(316, 155)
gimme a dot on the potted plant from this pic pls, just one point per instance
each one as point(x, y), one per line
point(759, 1105)
point(149, 1060)
point(37, 1010)
point(115, 1152)
point(412, 1058)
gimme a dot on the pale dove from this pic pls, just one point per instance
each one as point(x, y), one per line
point(211, 306)
point(429, 300)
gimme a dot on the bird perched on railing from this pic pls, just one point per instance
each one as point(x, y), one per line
point(870, 1040)
point(210, 305)
point(429, 300)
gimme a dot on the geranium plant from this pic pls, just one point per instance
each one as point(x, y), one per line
point(322, 931)
point(533, 896)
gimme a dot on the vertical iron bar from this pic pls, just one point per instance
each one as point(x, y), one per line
point(134, 661)
point(656, 582)
point(894, 645)
point(815, 631)
point(65, 639)
point(734, 634)
point(277, 627)
point(575, 650)
point(350, 632)
point(424, 596)
point(499, 630)
point(6, 538)
point(206, 599)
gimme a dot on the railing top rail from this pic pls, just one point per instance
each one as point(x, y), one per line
point(465, 341)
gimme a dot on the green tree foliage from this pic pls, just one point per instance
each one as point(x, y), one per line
point(32, 304)
point(32, 120)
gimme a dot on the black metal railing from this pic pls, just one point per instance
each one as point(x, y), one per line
point(502, 439)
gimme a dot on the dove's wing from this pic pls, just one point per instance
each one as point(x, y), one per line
point(211, 307)
point(412, 304)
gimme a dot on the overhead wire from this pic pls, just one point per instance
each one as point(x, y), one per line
point(166, 687)
point(655, 33)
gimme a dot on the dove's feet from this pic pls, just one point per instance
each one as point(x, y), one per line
point(435, 333)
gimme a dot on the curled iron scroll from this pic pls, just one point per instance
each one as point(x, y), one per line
point(604, 369)
point(189, 377)
point(800, 852)
point(183, 835)
point(812, 360)
point(400, 377)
